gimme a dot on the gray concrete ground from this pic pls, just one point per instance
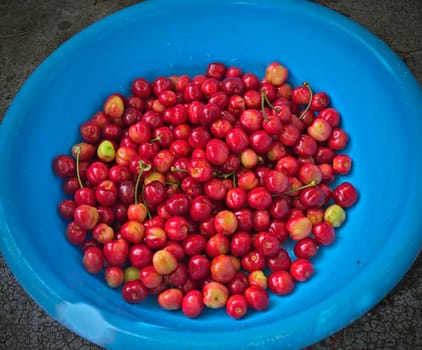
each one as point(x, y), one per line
point(30, 30)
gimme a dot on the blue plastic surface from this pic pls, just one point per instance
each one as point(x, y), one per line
point(380, 102)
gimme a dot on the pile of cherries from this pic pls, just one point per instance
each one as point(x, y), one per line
point(190, 188)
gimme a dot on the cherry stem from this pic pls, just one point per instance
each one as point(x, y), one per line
point(173, 184)
point(155, 139)
point(267, 100)
point(180, 170)
point(145, 203)
point(264, 99)
point(142, 166)
point(311, 184)
point(226, 176)
point(306, 84)
point(78, 174)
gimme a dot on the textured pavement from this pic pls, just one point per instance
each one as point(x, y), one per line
point(30, 30)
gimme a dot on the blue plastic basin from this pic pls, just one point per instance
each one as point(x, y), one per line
point(380, 103)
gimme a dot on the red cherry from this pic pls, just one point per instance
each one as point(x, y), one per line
point(306, 248)
point(237, 140)
point(134, 291)
point(259, 198)
point(201, 208)
point(200, 169)
point(237, 306)
point(324, 233)
point(258, 298)
point(281, 282)
point(198, 267)
point(216, 70)
point(301, 269)
point(345, 195)
point(192, 304)
point(266, 243)
point(217, 152)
